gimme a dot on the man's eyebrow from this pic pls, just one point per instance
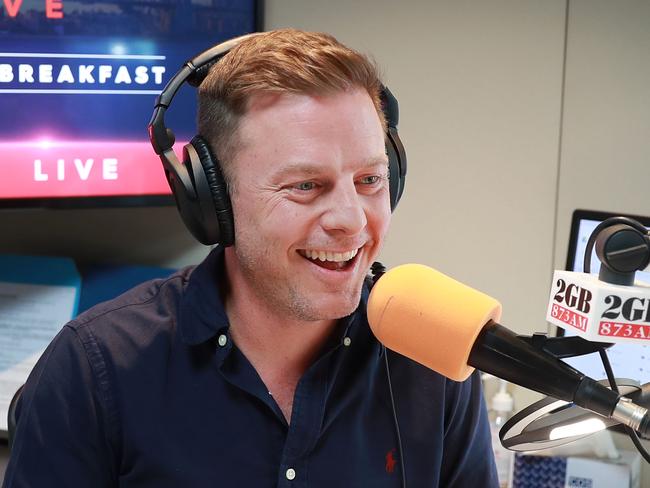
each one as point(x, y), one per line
point(313, 169)
point(378, 160)
point(309, 169)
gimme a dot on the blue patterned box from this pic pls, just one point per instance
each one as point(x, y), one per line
point(534, 471)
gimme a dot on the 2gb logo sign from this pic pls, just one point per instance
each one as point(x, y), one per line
point(573, 296)
point(625, 318)
point(569, 299)
point(597, 310)
point(634, 309)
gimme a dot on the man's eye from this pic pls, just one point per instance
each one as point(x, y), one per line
point(370, 180)
point(305, 186)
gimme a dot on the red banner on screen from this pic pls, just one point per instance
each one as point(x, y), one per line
point(48, 169)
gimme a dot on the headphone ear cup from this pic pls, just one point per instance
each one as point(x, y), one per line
point(393, 174)
point(394, 147)
point(216, 210)
point(195, 203)
point(181, 178)
point(396, 166)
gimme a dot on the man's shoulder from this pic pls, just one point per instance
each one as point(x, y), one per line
point(151, 304)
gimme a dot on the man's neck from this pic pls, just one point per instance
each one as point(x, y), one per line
point(279, 347)
point(275, 341)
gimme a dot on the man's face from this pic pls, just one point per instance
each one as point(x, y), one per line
point(311, 201)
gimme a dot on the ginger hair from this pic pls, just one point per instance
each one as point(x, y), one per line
point(277, 62)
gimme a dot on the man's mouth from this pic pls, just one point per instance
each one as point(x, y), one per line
point(335, 261)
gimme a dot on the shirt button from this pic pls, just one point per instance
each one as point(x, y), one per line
point(291, 474)
point(347, 341)
point(222, 340)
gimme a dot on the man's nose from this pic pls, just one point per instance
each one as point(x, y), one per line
point(345, 210)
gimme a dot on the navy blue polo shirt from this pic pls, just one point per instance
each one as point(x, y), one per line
point(149, 390)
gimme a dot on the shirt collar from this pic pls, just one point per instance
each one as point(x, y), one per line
point(202, 314)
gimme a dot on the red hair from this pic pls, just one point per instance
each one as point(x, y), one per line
point(280, 61)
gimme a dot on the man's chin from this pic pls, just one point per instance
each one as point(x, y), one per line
point(325, 303)
point(340, 307)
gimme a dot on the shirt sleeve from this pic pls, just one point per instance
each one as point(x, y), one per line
point(61, 431)
point(468, 459)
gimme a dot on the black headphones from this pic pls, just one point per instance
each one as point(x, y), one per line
point(197, 182)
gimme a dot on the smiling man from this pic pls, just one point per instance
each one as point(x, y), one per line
point(257, 368)
point(312, 209)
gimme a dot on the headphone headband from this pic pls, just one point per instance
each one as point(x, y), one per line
point(193, 72)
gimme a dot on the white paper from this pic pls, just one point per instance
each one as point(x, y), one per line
point(30, 317)
point(591, 473)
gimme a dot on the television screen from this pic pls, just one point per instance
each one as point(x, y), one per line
point(78, 80)
point(628, 360)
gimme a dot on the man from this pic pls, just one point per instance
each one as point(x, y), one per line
point(257, 368)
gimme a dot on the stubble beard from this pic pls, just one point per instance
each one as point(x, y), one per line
point(282, 294)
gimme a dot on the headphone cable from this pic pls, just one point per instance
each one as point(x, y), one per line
point(397, 431)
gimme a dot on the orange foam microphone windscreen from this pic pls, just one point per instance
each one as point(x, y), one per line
point(429, 317)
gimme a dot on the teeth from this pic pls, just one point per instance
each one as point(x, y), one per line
point(330, 256)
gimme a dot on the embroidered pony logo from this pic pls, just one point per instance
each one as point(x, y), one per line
point(390, 461)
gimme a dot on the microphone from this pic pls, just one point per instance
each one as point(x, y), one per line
point(641, 397)
point(452, 329)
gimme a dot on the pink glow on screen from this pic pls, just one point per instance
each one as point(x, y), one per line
point(44, 143)
point(45, 168)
